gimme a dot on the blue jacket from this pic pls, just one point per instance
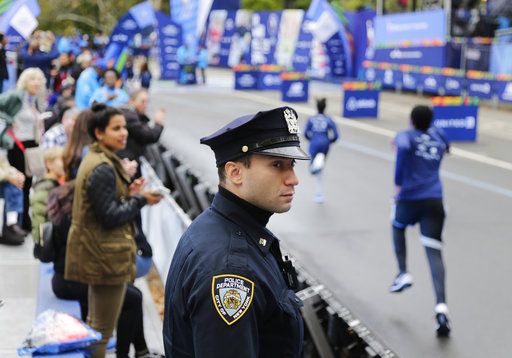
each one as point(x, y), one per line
point(39, 59)
point(101, 95)
point(418, 160)
point(86, 85)
point(321, 131)
point(225, 295)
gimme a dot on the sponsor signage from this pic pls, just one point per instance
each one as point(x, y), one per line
point(358, 104)
point(480, 88)
point(187, 75)
point(410, 80)
point(246, 79)
point(269, 80)
point(391, 78)
point(431, 82)
point(295, 90)
point(433, 56)
point(504, 90)
point(458, 122)
point(453, 85)
point(410, 27)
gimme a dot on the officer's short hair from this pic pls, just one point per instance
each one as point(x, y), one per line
point(221, 170)
point(421, 117)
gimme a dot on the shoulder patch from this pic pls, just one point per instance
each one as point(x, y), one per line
point(232, 296)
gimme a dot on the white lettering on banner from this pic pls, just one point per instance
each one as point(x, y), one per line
point(354, 104)
point(170, 30)
point(168, 41)
point(271, 80)
point(129, 25)
point(452, 84)
point(480, 87)
point(507, 93)
point(370, 74)
point(473, 54)
point(296, 90)
point(400, 54)
point(413, 26)
point(229, 24)
point(468, 122)
point(388, 77)
point(409, 81)
point(246, 80)
point(431, 82)
point(169, 49)
point(120, 38)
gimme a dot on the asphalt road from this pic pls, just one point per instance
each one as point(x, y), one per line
point(345, 242)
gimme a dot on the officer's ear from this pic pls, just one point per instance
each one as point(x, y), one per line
point(233, 172)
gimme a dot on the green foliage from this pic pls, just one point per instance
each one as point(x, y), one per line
point(65, 17)
point(258, 5)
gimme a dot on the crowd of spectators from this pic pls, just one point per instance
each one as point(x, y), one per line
point(70, 114)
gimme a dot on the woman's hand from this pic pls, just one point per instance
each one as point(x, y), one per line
point(17, 179)
point(152, 198)
point(136, 187)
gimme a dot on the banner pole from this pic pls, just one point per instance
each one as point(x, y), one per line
point(380, 7)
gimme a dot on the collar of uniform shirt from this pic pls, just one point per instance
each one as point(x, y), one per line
point(249, 217)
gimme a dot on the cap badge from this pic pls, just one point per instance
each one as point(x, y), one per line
point(263, 242)
point(245, 149)
point(291, 121)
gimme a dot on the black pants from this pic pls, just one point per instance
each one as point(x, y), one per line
point(17, 159)
point(130, 328)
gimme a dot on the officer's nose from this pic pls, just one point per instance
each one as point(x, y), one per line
point(291, 178)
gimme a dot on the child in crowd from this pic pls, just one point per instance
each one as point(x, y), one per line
point(38, 200)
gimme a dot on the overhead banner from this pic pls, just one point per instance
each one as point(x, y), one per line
point(240, 51)
point(219, 36)
point(265, 29)
point(327, 28)
point(302, 54)
point(169, 40)
point(287, 41)
point(412, 28)
point(192, 16)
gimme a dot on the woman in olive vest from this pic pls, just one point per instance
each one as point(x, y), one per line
point(101, 247)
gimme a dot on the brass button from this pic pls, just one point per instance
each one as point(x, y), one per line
point(245, 149)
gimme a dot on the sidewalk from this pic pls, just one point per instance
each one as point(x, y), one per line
point(18, 289)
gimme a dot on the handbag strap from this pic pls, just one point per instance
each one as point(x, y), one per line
point(16, 140)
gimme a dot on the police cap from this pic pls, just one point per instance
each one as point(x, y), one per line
point(274, 132)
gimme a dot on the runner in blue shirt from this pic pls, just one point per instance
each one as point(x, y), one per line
point(321, 131)
point(419, 199)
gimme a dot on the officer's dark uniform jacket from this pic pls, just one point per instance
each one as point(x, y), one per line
point(226, 294)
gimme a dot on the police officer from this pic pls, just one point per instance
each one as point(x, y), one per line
point(419, 199)
point(229, 292)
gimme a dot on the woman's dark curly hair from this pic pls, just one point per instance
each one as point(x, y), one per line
point(100, 120)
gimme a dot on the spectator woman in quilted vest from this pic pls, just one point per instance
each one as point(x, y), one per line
point(101, 247)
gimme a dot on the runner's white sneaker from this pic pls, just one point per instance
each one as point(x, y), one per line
point(401, 282)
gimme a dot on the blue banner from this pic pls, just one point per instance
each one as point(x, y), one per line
point(225, 5)
point(185, 13)
point(359, 104)
point(361, 27)
point(326, 26)
point(144, 15)
point(246, 80)
point(458, 122)
point(369, 75)
point(431, 83)
point(504, 90)
point(392, 79)
point(478, 57)
point(412, 27)
point(169, 40)
point(295, 90)
point(226, 39)
point(501, 53)
point(302, 55)
point(265, 29)
point(411, 81)
point(269, 80)
point(480, 88)
point(124, 31)
point(453, 85)
point(418, 56)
